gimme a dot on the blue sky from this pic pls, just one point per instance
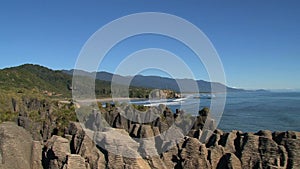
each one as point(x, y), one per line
point(258, 41)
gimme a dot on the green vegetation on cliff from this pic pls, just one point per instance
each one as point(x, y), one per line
point(34, 78)
point(20, 84)
point(40, 81)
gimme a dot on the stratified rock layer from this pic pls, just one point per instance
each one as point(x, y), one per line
point(17, 149)
point(161, 144)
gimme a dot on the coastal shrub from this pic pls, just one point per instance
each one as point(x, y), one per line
point(140, 107)
point(204, 112)
point(8, 116)
point(63, 119)
point(35, 116)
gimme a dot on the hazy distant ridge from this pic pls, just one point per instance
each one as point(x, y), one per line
point(157, 82)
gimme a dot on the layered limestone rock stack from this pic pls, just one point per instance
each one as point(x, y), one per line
point(170, 141)
point(223, 150)
point(17, 149)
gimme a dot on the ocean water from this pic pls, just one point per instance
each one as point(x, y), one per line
point(262, 110)
point(250, 111)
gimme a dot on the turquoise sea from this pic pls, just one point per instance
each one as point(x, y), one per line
point(250, 111)
point(261, 110)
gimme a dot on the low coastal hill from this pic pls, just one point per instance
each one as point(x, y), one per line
point(35, 81)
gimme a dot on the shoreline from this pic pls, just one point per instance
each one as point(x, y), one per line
point(109, 99)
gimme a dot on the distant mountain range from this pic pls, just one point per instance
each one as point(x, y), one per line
point(157, 82)
point(28, 79)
